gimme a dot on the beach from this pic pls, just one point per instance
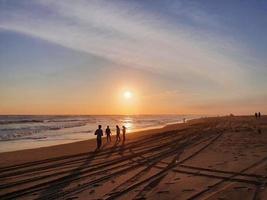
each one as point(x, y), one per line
point(206, 158)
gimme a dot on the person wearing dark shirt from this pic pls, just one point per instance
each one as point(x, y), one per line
point(108, 133)
point(123, 133)
point(259, 114)
point(118, 133)
point(99, 134)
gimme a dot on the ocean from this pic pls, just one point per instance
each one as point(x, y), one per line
point(19, 132)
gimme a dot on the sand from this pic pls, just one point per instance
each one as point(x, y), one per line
point(212, 158)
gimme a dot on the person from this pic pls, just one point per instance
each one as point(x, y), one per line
point(118, 132)
point(99, 134)
point(256, 115)
point(108, 133)
point(259, 115)
point(123, 133)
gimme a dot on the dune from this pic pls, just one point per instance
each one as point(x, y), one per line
point(209, 158)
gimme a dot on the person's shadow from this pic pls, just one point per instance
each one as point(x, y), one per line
point(59, 184)
point(112, 149)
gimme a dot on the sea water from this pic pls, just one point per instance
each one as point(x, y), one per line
point(19, 132)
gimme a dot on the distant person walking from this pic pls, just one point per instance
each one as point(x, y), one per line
point(99, 134)
point(118, 133)
point(256, 115)
point(123, 133)
point(108, 133)
point(259, 115)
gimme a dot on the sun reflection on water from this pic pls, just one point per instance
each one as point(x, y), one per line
point(128, 123)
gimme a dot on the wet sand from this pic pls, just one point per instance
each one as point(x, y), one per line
point(212, 158)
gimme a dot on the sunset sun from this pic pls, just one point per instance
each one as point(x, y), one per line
point(127, 94)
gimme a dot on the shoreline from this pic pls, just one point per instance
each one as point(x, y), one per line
point(23, 144)
point(87, 145)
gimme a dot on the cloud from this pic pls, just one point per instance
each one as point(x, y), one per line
point(131, 37)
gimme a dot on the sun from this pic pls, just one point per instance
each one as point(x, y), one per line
point(127, 94)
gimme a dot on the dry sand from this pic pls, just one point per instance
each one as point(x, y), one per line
point(213, 158)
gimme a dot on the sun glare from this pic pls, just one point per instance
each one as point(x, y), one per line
point(127, 94)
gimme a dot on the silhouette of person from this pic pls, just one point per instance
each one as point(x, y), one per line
point(108, 133)
point(256, 114)
point(99, 134)
point(259, 114)
point(123, 133)
point(118, 133)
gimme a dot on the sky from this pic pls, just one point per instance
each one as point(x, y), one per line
point(174, 56)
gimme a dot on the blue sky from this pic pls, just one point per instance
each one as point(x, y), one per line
point(185, 56)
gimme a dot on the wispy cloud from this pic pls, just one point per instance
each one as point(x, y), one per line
point(131, 37)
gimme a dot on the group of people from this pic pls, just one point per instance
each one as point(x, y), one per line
point(257, 115)
point(99, 134)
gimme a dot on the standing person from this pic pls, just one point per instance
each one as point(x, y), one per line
point(108, 133)
point(256, 115)
point(99, 134)
point(123, 133)
point(118, 133)
point(259, 115)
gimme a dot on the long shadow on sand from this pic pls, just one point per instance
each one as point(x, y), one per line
point(57, 187)
point(113, 149)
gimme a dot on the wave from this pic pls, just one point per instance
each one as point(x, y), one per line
point(29, 127)
point(21, 121)
point(23, 132)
